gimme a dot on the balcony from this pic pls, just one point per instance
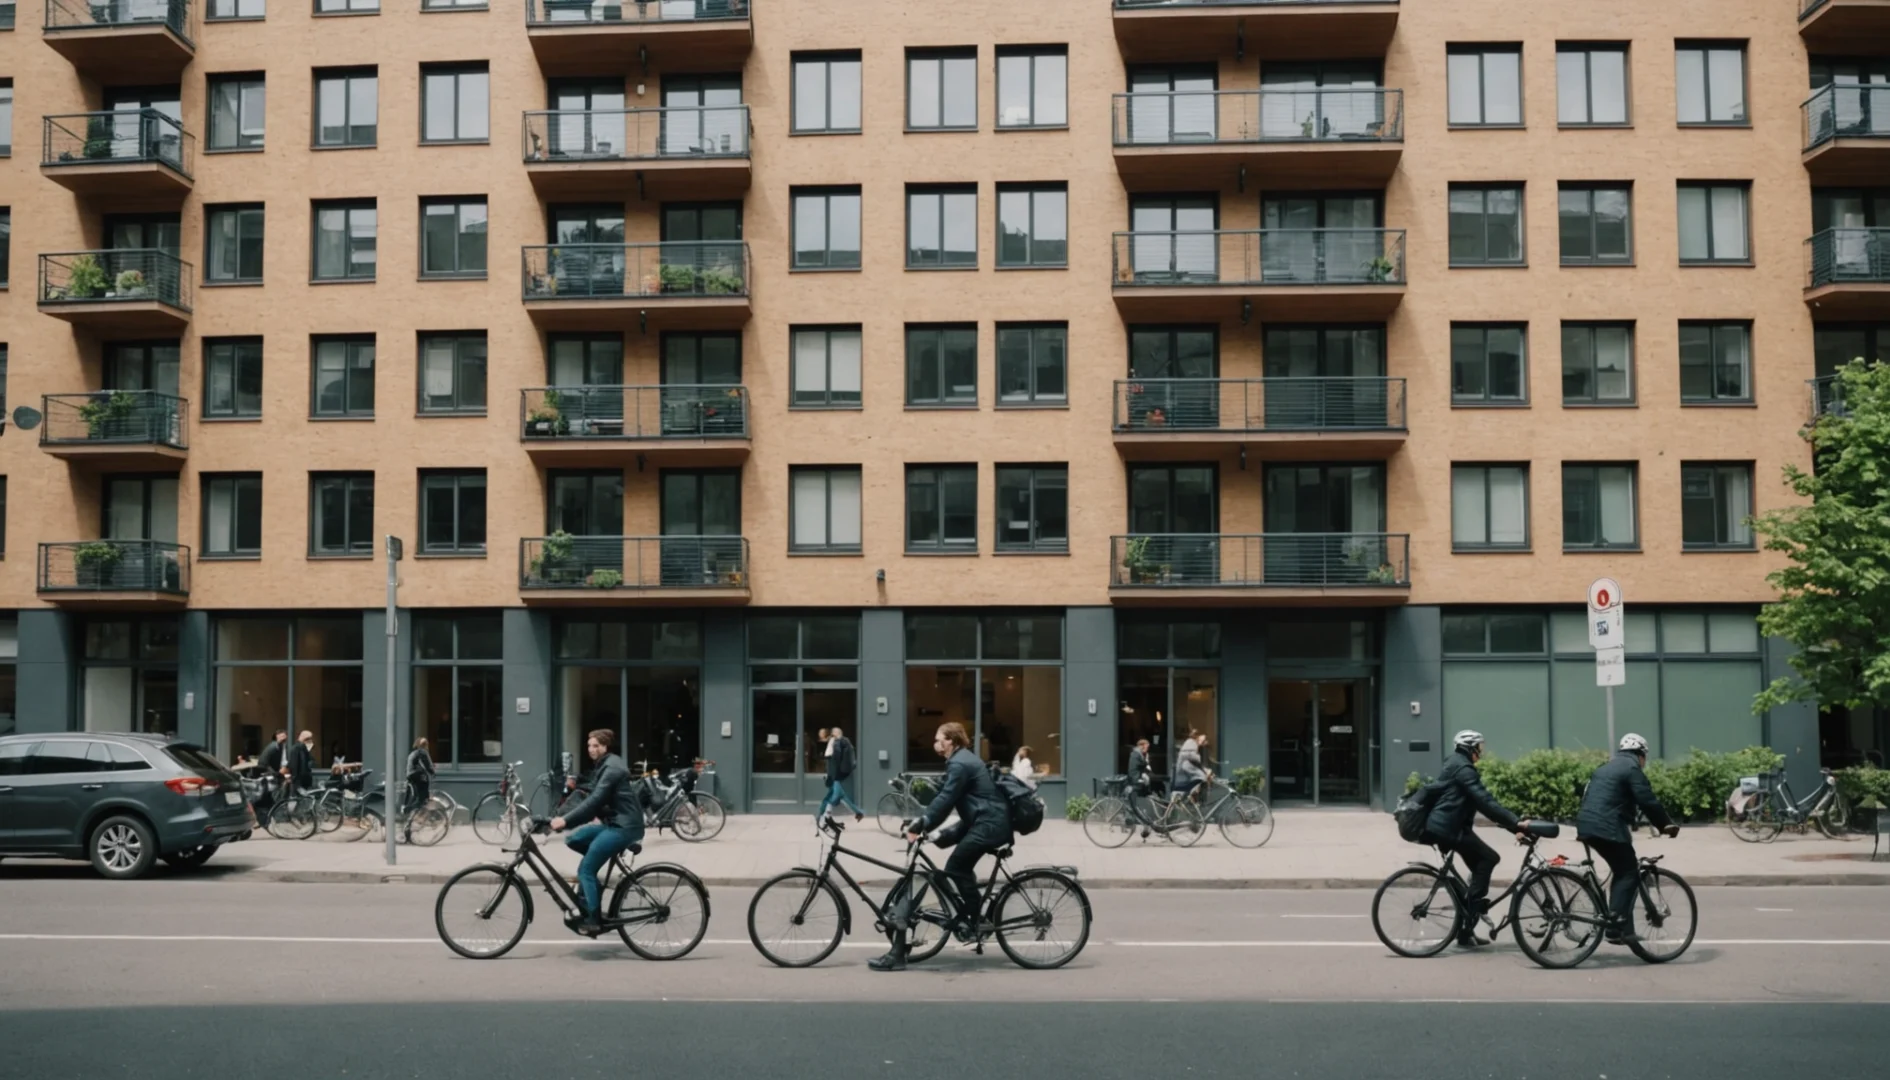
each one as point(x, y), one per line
point(1847, 134)
point(1294, 418)
point(1266, 29)
point(117, 430)
point(1260, 568)
point(1307, 275)
point(699, 285)
point(698, 153)
point(1827, 398)
point(127, 292)
point(1848, 274)
point(139, 154)
point(1281, 138)
point(115, 574)
point(564, 426)
point(1845, 27)
point(612, 571)
point(123, 42)
point(593, 37)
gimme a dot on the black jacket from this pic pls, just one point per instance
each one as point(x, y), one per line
point(1615, 791)
point(1138, 767)
point(1461, 798)
point(271, 760)
point(984, 817)
point(840, 763)
point(420, 764)
point(614, 800)
point(301, 767)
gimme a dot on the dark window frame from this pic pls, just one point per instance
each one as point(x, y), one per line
point(1715, 469)
point(1594, 399)
point(236, 347)
point(459, 340)
point(347, 75)
point(1032, 53)
point(350, 484)
point(1481, 49)
point(1634, 502)
point(210, 15)
point(1033, 474)
point(1714, 327)
point(210, 238)
point(826, 59)
point(1586, 50)
point(348, 207)
point(459, 203)
point(1486, 544)
point(348, 7)
point(237, 481)
point(349, 410)
point(1705, 47)
point(827, 194)
point(1033, 397)
point(1590, 189)
point(959, 52)
point(826, 472)
point(794, 360)
point(939, 331)
point(1486, 400)
point(448, 753)
point(241, 80)
point(1031, 240)
point(938, 193)
point(1485, 190)
point(457, 70)
point(1744, 187)
point(458, 480)
point(936, 478)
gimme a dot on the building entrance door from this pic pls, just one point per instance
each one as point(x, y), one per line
point(1322, 738)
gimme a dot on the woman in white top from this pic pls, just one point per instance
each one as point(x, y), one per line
point(1022, 768)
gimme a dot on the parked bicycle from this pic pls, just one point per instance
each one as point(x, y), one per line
point(423, 826)
point(291, 813)
point(1765, 807)
point(501, 814)
point(1244, 820)
point(676, 805)
point(1039, 915)
point(343, 800)
point(902, 803)
point(660, 911)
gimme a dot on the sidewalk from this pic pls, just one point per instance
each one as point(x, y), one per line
point(1310, 849)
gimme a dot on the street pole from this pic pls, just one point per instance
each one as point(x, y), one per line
point(1610, 719)
point(389, 807)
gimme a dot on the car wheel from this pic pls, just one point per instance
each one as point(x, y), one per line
point(192, 858)
point(123, 847)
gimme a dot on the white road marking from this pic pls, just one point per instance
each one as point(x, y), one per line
point(1322, 916)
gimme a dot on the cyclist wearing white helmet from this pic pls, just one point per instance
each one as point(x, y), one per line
point(1460, 796)
point(1606, 823)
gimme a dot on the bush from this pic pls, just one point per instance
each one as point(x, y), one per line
point(1697, 787)
point(1249, 779)
point(1864, 783)
point(1414, 781)
point(1077, 808)
point(1541, 784)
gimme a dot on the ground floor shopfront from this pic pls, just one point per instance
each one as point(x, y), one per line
point(1339, 707)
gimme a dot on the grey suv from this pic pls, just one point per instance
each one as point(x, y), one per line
point(121, 801)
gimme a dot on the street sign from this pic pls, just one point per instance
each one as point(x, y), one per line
point(1603, 594)
point(1611, 669)
point(1607, 627)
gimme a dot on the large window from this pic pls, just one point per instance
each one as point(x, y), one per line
point(347, 7)
point(1485, 85)
point(942, 365)
point(9, 660)
point(1487, 364)
point(639, 678)
point(826, 367)
point(341, 514)
point(1715, 363)
point(347, 104)
point(6, 118)
point(825, 508)
point(941, 508)
point(453, 512)
point(1033, 508)
point(1033, 364)
point(232, 377)
point(804, 674)
point(1168, 684)
point(345, 241)
point(1599, 507)
point(826, 92)
point(236, 9)
point(1591, 85)
point(232, 514)
point(457, 686)
point(1486, 225)
point(1001, 676)
point(941, 89)
point(1713, 223)
point(301, 674)
point(941, 226)
point(344, 377)
point(453, 103)
point(237, 104)
point(1716, 505)
point(1710, 83)
point(234, 237)
point(1489, 507)
point(1033, 86)
point(826, 228)
point(1596, 224)
point(1033, 225)
point(128, 674)
point(1597, 363)
point(453, 372)
point(453, 237)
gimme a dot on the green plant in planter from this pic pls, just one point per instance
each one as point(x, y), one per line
point(130, 283)
point(98, 137)
point(106, 413)
point(606, 579)
point(679, 279)
point(1379, 269)
point(1078, 807)
point(1135, 559)
point(95, 561)
point(721, 282)
point(1249, 779)
point(554, 554)
point(1382, 575)
point(547, 418)
point(85, 278)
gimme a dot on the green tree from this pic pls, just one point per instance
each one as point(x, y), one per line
point(1834, 597)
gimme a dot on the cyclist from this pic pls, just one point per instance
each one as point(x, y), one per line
point(1190, 771)
point(420, 772)
point(616, 804)
point(984, 825)
point(1605, 823)
point(1460, 797)
point(1140, 777)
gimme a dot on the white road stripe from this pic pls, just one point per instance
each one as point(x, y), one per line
point(1246, 944)
point(1771, 909)
point(1322, 916)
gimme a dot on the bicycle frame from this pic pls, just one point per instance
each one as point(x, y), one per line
point(1532, 865)
point(1799, 811)
point(1161, 823)
point(528, 854)
point(932, 875)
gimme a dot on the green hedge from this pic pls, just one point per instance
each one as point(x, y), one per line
point(1077, 807)
point(1542, 784)
point(1862, 784)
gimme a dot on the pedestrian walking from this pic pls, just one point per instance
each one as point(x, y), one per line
point(841, 761)
point(419, 781)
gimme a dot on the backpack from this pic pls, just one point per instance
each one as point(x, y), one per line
point(1414, 810)
point(1026, 808)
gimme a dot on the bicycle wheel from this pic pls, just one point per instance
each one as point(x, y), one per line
point(481, 912)
point(1558, 918)
point(374, 825)
point(427, 826)
point(711, 815)
point(327, 811)
point(1247, 822)
point(1108, 824)
point(1668, 916)
point(1416, 911)
point(895, 809)
point(1042, 919)
point(1835, 822)
point(677, 907)
point(494, 820)
point(927, 936)
point(794, 919)
point(292, 819)
point(1757, 825)
point(1185, 823)
point(686, 822)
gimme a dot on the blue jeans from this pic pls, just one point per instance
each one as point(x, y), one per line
point(836, 794)
point(598, 844)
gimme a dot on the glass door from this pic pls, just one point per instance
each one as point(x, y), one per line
point(1325, 523)
point(1856, 252)
point(590, 120)
point(1174, 353)
point(1321, 739)
point(1178, 508)
point(695, 368)
point(587, 256)
point(1858, 103)
point(1172, 105)
point(1339, 373)
point(134, 135)
point(1320, 101)
point(587, 372)
point(1174, 239)
point(696, 119)
point(142, 366)
point(589, 506)
point(700, 237)
point(1319, 238)
point(790, 760)
point(1162, 705)
point(699, 506)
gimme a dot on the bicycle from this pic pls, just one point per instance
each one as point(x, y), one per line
point(1776, 809)
point(501, 813)
point(1244, 820)
point(423, 826)
point(666, 916)
point(291, 815)
point(693, 815)
point(901, 804)
point(344, 798)
point(1020, 910)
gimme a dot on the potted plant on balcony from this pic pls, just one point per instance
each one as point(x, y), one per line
point(679, 279)
point(130, 283)
point(1306, 126)
point(1379, 270)
point(554, 559)
point(98, 137)
point(604, 579)
point(721, 282)
point(85, 278)
point(732, 578)
point(107, 412)
point(1383, 575)
point(547, 419)
point(94, 562)
point(1135, 561)
point(1157, 417)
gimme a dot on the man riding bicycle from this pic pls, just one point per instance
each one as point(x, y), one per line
point(1460, 797)
point(1605, 823)
point(616, 802)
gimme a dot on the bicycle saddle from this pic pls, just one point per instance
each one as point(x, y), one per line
point(635, 849)
point(1547, 830)
point(1004, 852)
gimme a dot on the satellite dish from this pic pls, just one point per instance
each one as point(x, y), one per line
point(26, 418)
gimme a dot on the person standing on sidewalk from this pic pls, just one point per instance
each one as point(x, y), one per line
point(840, 765)
point(300, 767)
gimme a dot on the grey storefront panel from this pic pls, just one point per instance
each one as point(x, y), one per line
point(1413, 697)
point(48, 672)
point(725, 701)
point(882, 735)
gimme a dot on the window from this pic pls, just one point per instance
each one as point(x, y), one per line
point(1715, 503)
point(1486, 225)
point(453, 373)
point(941, 226)
point(234, 237)
point(453, 237)
point(6, 243)
point(942, 89)
point(1713, 223)
point(825, 509)
point(826, 229)
point(1507, 634)
point(453, 5)
point(1597, 363)
point(1591, 85)
point(1595, 224)
point(346, 104)
point(288, 673)
point(1485, 85)
point(826, 367)
point(1715, 363)
point(6, 117)
point(1598, 507)
point(237, 104)
point(1033, 225)
point(232, 378)
point(1487, 365)
point(236, 9)
point(826, 92)
point(341, 513)
point(347, 7)
point(942, 365)
point(1489, 507)
point(1033, 87)
point(1710, 81)
point(453, 103)
point(453, 512)
point(1033, 364)
point(1033, 508)
point(457, 685)
point(941, 508)
point(232, 514)
point(344, 376)
point(3, 549)
point(344, 241)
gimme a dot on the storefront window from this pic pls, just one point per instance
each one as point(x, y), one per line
point(641, 679)
point(9, 665)
point(129, 675)
point(1013, 700)
point(1164, 690)
point(294, 674)
point(456, 688)
point(804, 676)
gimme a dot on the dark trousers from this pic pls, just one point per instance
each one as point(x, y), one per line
point(419, 790)
point(1481, 859)
point(962, 871)
point(1626, 871)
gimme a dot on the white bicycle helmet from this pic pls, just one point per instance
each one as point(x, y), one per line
point(1634, 742)
point(1468, 738)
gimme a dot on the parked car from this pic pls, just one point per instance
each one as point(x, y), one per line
point(120, 801)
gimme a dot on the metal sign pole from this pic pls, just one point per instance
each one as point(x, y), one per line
point(389, 807)
point(1610, 719)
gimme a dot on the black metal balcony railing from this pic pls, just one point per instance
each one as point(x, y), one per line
point(139, 136)
point(1827, 397)
point(563, 12)
point(633, 562)
point(1260, 560)
point(91, 14)
point(1260, 257)
point(1846, 112)
point(114, 276)
point(596, 271)
point(1309, 403)
point(584, 413)
point(572, 135)
point(1201, 117)
point(114, 566)
point(130, 417)
point(1837, 256)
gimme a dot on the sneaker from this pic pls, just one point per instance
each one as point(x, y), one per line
point(1472, 938)
point(893, 960)
point(966, 935)
point(858, 817)
point(1621, 937)
point(574, 923)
